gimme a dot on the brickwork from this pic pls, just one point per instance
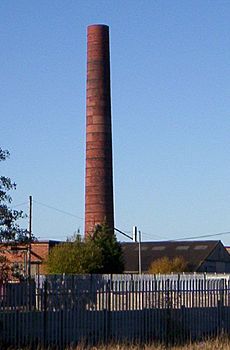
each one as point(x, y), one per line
point(99, 173)
point(18, 254)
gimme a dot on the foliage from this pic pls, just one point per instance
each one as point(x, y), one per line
point(18, 272)
point(9, 228)
point(74, 257)
point(112, 258)
point(166, 265)
point(4, 268)
point(98, 253)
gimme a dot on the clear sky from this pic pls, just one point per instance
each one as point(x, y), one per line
point(170, 64)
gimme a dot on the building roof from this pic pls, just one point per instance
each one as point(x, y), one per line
point(194, 252)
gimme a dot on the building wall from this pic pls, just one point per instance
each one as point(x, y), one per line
point(218, 261)
point(17, 255)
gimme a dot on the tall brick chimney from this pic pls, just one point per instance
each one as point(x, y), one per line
point(99, 170)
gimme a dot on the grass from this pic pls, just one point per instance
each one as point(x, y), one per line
point(222, 343)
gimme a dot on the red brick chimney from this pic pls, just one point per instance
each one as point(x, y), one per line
point(99, 171)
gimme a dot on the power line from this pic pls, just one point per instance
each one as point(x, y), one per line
point(178, 239)
point(20, 204)
point(152, 235)
point(122, 232)
point(57, 209)
point(193, 237)
point(202, 236)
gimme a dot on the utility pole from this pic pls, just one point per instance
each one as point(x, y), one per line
point(139, 251)
point(30, 236)
point(135, 234)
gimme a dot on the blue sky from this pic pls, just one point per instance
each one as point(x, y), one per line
point(170, 108)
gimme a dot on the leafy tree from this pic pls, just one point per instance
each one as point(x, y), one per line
point(74, 257)
point(98, 253)
point(166, 265)
point(112, 258)
point(9, 228)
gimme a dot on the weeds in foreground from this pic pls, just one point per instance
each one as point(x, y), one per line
point(222, 343)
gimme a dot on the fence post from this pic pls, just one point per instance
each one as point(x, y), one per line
point(220, 305)
point(168, 315)
point(107, 309)
point(44, 313)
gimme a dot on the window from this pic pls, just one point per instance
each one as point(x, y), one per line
point(200, 247)
point(182, 247)
point(160, 247)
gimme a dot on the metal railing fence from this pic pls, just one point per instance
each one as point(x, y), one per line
point(70, 309)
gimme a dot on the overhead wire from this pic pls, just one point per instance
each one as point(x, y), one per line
point(20, 204)
point(124, 233)
point(152, 235)
point(57, 209)
point(202, 236)
point(193, 237)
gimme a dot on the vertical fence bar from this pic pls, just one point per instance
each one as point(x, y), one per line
point(44, 313)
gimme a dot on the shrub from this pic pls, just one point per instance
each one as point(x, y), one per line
point(76, 257)
point(100, 252)
point(166, 265)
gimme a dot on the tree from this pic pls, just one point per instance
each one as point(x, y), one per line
point(10, 230)
point(97, 253)
point(166, 265)
point(112, 257)
point(75, 257)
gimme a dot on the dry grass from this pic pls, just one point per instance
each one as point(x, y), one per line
point(222, 343)
point(217, 344)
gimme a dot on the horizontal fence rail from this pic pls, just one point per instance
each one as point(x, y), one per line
point(65, 310)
